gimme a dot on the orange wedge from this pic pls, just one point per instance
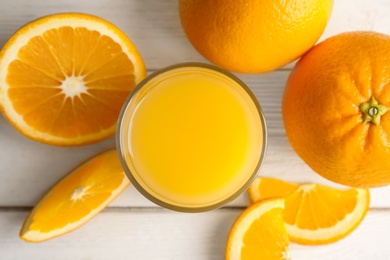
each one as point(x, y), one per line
point(314, 214)
point(262, 188)
point(259, 233)
point(64, 78)
point(76, 199)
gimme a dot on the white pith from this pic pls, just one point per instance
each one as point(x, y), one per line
point(79, 193)
point(73, 86)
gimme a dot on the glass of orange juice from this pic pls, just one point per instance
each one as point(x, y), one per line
point(191, 137)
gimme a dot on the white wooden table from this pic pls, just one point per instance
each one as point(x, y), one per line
point(132, 227)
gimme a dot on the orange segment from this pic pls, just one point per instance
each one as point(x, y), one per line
point(324, 214)
point(315, 214)
point(263, 188)
point(76, 199)
point(259, 233)
point(64, 78)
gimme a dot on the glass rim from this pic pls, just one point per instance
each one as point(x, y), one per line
point(175, 207)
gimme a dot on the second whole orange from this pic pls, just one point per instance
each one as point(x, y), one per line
point(253, 36)
point(335, 109)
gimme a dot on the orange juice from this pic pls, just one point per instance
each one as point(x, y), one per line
point(191, 137)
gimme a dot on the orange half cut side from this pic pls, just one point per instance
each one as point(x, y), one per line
point(65, 77)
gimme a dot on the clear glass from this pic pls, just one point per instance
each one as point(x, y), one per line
point(125, 143)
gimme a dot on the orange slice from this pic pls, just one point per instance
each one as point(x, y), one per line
point(262, 188)
point(64, 78)
point(315, 214)
point(259, 233)
point(76, 199)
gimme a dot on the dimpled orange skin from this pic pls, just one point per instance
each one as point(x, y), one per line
point(321, 113)
point(253, 36)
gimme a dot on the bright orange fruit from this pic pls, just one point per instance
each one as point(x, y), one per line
point(259, 233)
point(76, 199)
point(262, 188)
point(64, 78)
point(314, 214)
point(253, 36)
point(335, 109)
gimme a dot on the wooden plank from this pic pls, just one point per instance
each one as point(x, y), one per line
point(28, 168)
point(161, 234)
point(154, 26)
point(369, 241)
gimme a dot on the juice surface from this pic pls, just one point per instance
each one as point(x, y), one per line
point(194, 139)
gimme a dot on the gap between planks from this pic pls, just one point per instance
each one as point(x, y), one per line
point(121, 209)
point(157, 209)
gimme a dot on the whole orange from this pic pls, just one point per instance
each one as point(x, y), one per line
point(335, 109)
point(253, 36)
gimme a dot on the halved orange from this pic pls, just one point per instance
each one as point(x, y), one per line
point(76, 199)
point(314, 214)
point(64, 78)
point(259, 233)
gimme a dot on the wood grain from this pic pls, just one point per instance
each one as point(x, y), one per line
point(136, 228)
point(154, 25)
point(164, 235)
